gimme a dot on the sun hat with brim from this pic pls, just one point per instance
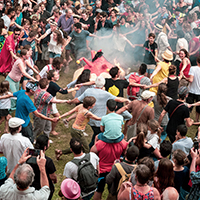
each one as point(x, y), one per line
point(158, 27)
point(167, 55)
point(70, 189)
point(76, 16)
point(183, 90)
point(31, 86)
point(77, 3)
point(15, 122)
point(116, 9)
point(147, 94)
point(99, 10)
point(53, 23)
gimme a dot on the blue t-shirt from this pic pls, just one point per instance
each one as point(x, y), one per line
point(112, 123)
point(24, 106)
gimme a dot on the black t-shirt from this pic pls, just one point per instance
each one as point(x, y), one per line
point(91, 23)
point(148, 57)
point(26, 13)
point(54, 88)
point(115, 87)
point(181, 113)
point(50, 169)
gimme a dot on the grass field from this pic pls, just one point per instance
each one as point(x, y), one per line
point(62, 140)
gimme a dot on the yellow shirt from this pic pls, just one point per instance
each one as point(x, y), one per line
point(163, 73)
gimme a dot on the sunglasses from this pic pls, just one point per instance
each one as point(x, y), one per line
point(17, 34)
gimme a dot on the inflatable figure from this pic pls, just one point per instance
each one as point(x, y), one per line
point(98, 66)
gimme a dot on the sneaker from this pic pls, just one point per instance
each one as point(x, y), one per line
point(85, 134)
point(66, 123)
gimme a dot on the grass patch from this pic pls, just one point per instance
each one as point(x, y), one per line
point(62, 140)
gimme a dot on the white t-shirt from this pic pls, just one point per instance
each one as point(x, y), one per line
point(152, 139)
point(6, 103)
point(194, 87)
point(13, 146)
point(181, 42)
point(43, 72)
point(71, 169)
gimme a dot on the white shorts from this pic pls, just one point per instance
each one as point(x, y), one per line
point(54, 108)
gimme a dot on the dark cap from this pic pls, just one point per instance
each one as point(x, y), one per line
point(183, 90)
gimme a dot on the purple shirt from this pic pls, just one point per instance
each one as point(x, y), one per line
point(65, 25)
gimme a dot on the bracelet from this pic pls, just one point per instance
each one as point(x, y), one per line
point(19, 163)
point(59, 117)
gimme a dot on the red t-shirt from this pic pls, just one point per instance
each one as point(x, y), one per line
point(108, 153)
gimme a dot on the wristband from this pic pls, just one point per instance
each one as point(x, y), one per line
point(59, 117)
point(19, 163)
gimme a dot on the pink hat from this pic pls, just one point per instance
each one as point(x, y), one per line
point(70, 189)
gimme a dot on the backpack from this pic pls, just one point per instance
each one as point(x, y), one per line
point(87, 174)
point(131, 90)
point(124, 176)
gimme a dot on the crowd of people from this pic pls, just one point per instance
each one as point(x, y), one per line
point(139, 146)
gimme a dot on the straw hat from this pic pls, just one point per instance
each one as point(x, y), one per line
point(158, 27)
point(77, 3)
point(167, 55)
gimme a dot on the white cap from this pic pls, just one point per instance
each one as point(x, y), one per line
point(147, 94)
point(15, 122)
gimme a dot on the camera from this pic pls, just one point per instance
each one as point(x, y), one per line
point(34, 153)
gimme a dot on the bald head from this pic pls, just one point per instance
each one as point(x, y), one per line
point(170, 193)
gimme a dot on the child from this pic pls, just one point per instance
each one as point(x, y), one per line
point(153, 137)
point(111, 125)
point(82, 118)
point(181, 172)
point(5, 104)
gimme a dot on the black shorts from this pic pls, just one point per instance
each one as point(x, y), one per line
point(102, 182)
point(191, 99)
point(4, 112)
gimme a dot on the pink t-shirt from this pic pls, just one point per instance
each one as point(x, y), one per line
point(15, 73)
point(108, 153)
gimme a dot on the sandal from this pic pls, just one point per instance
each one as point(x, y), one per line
point(58, 153)
point(66, 123)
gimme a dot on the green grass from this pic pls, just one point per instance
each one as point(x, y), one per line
point(62, 140)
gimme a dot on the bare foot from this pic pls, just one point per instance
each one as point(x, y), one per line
point(54, 133)
point(58, 153)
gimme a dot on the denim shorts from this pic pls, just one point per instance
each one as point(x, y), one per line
point(53, 55)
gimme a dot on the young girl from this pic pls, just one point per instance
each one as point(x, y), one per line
point(153, 137)
point(5, 104)
point(82, 118)
point(181, 172)
point(53, 88)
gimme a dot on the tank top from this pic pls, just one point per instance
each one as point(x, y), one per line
point(140, 196)
point(81, 121)
point(186, 70)
point(172, 88)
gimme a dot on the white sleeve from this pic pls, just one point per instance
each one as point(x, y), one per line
point(48, 31)
point(43, 71)
point(153, 142)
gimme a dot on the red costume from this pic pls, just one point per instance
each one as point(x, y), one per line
point(6, 60)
